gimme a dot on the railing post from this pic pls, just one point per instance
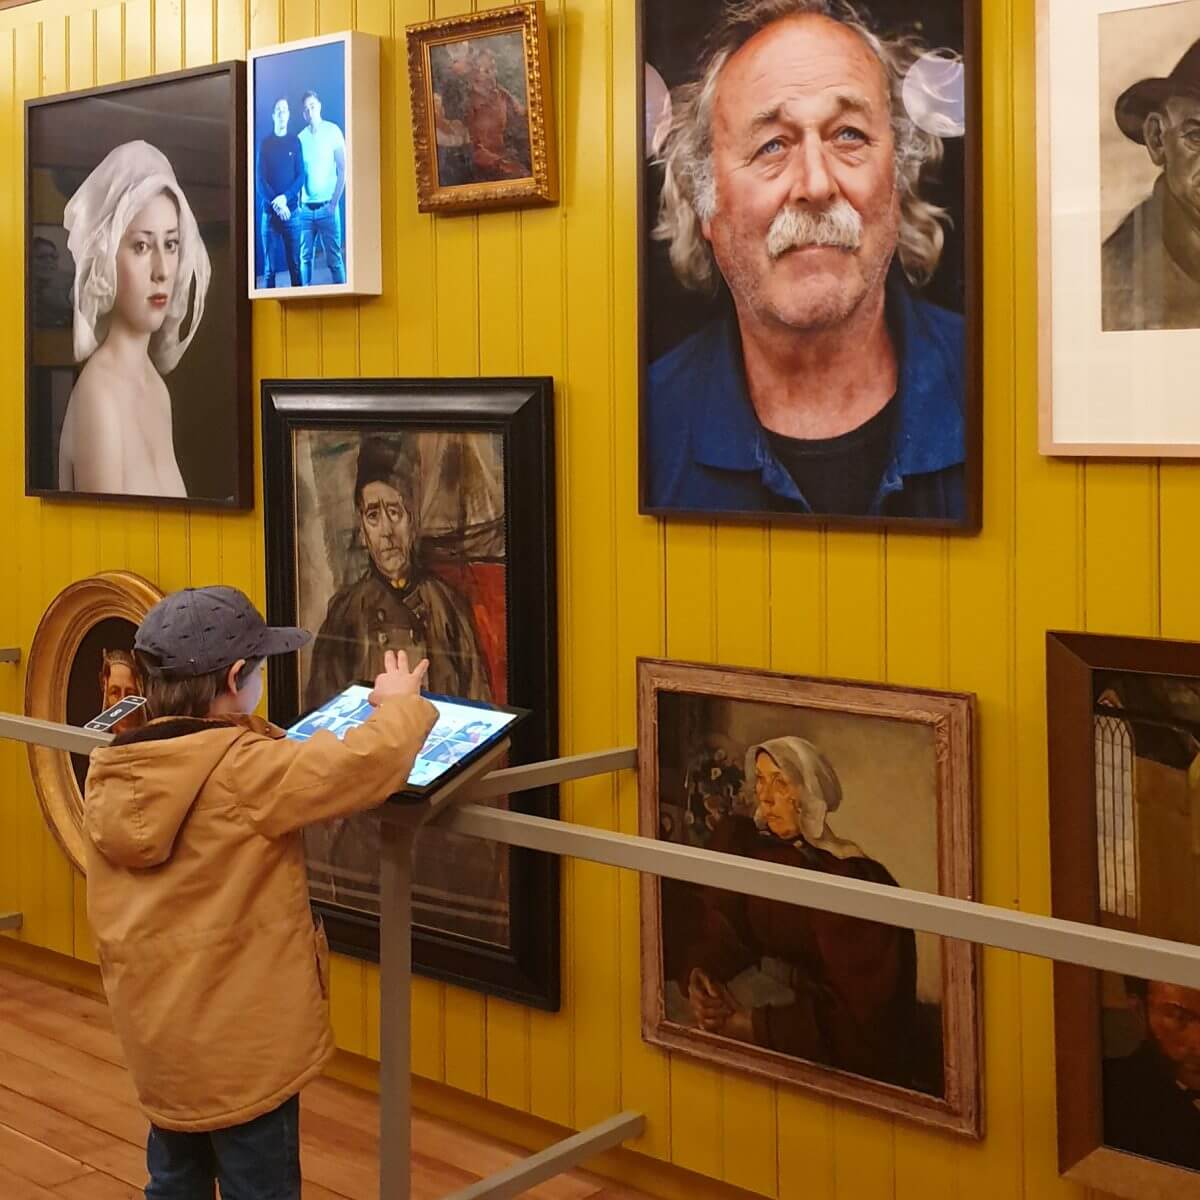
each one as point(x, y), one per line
point(395, 1017)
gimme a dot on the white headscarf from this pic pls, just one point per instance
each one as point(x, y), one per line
point(96, 219)
point(801, 763)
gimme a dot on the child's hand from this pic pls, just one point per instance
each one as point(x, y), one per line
point(397, 679)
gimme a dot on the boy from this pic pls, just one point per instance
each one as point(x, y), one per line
point(216, 976)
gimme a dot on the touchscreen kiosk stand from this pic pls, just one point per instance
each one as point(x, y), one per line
point(400, 823)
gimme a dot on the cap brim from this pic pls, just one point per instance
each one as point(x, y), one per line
point(284, 640)
point(1136, 103)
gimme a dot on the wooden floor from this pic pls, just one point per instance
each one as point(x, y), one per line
point(70, 1125)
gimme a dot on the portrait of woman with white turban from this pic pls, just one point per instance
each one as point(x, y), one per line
point(834, 990)
point(142, 273)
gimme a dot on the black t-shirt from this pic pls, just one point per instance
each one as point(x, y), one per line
point(839, 474)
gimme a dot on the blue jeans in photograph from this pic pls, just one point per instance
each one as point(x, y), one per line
point(280, 247)
point(259, 1160)
point(322, 221)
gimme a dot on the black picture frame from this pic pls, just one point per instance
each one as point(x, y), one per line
point(906, 16)
point(521, 412)
point(239, 450)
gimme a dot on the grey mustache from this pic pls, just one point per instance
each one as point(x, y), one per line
point(838, 226)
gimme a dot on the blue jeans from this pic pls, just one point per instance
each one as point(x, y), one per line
point(323, 221)
point(276, 235)
point(259, 1160)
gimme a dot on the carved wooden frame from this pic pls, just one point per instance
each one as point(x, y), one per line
point(951, 717)
point(541, 187)
point(71, 616)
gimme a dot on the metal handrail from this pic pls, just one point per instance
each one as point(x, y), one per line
point(455, 808)
point(1007, 929)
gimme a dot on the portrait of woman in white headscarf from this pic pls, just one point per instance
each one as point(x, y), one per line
point(142, 273)
point(847, 987)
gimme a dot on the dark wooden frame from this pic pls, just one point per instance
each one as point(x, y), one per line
point(950, 716)
point(521, 411)
point(973, 315)
point(244, 476)
point(1071, 661)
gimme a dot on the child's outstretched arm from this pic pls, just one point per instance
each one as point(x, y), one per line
point(284, 785)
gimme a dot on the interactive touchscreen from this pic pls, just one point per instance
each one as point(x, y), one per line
point(462, 728)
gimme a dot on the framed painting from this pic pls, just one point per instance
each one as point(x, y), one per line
point(313, 166)
point(1123, 721)
point(810, 283)
point(418, 516)
point(1119, 226)
point(482, 113)
point(137, 328)
point(810, 773)
point(80, 663)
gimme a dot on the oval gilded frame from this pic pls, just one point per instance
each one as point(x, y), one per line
point(60, 633)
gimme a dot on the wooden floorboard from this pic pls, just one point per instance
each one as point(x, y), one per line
point(70, 1127)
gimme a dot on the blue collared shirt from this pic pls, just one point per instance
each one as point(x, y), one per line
point(708, 452)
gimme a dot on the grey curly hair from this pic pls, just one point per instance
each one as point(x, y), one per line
point(689, 192)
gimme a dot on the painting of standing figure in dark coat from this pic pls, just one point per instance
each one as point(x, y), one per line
point(418, 516)
point(853, 1007)
point(403, 534)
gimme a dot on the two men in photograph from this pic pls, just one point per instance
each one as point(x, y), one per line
point(279, 176)
point(300, 179)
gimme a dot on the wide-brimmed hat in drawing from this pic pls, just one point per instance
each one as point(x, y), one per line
point(1135, 104)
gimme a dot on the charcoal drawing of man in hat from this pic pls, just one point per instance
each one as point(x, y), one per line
point(1150, 265)
point(396, 604)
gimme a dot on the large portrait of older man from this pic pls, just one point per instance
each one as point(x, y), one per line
point(808, 269)
point(398, 526)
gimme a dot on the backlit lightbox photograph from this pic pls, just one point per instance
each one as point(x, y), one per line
point(314, 168)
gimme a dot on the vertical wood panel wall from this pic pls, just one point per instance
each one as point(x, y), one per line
point(1107, 547)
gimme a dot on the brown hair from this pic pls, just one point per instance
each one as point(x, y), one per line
point(179, 696)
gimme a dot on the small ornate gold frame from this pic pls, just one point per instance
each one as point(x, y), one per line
point(72, 614)
point(540, 187)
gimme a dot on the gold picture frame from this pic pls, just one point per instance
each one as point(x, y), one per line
point(483, 120)
point(699, 728)
point(75, 616)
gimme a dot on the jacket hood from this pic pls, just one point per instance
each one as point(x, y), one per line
point(141, 788)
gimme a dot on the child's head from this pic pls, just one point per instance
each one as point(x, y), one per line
point(201, 653)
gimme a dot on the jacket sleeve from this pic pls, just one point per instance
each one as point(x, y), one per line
point(284, 785)
point(292, 191)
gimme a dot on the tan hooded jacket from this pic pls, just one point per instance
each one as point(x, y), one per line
point(216, 976)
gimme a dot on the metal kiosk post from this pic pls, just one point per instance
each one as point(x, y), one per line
point(400, 825)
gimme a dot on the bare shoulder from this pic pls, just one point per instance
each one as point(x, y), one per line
point(96, 404)
point(97, 430)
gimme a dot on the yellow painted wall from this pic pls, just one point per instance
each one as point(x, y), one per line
point(1108, 547)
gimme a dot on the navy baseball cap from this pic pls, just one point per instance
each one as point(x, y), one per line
point(200, 630)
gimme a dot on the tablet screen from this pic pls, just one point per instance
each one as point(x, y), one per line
point(462, 728)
